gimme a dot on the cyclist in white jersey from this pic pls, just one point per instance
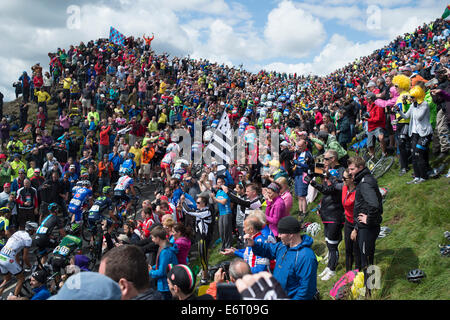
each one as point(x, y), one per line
point(20, 240)
point(124, 183)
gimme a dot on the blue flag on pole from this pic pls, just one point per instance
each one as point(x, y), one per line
point(116, 37)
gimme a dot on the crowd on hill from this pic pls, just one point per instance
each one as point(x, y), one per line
point(116, 109)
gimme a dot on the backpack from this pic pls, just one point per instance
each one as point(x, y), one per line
point(341, 288)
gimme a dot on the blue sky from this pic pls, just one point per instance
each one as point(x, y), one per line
point(289, 36)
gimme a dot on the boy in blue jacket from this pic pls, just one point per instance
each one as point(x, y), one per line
point(296, 263)
point(167, 255)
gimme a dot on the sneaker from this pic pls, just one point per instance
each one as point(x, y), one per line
point(413, 181)
point(324, 272)
point(420, 180)
point(402, 172)
point(328, 275)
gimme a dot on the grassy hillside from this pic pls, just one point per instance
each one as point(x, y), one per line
point(418, 215)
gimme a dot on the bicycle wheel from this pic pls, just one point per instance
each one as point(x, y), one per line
point(86, 232)
point(382, 166)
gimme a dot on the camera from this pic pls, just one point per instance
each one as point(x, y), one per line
point(319, 169)
point(225, 265)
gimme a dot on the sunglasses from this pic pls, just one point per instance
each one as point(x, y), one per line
point(348, 178)
point(328, 159)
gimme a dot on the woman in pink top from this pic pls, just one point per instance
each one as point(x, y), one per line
point(181, 235)
point(64, 120)
point(275, 209)
point(285, 194)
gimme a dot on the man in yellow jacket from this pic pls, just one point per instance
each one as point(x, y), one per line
point(43, 97)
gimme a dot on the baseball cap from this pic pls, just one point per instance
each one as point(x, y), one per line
point(6, 185)
point(37, 170)
point(88, 286)
point(72, 166)
point(182, 276)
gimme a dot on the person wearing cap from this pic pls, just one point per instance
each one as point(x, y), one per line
point(88, 286)
point(38, 282)
point(4, 195)
point(17, 183)
point(37, 179)
point(276, 208)
point(16, 165)
point(181, 282)
point(296, 263)
point(127, 266)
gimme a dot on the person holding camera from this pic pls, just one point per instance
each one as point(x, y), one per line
point(331, 209)
point(236, 270)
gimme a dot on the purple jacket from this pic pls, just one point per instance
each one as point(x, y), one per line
point(275, 210)
point(184, 246)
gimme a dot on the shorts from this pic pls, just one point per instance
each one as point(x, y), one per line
point(164, 165)
point(145, 169)
point(43, 242)
point(372, 135)
point(9, 265)
point(77, 212)
point(301, 188)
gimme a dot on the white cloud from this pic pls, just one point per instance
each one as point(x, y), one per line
point(292, 32)
point(337, 53)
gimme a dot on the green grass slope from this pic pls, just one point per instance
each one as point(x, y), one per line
point(418, 215)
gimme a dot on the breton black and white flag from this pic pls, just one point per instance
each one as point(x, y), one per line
point(221, 145)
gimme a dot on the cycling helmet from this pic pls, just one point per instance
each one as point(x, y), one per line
point(131, 155)
point(106, 189)
point(86, 183)
point(4, 210)
point(445, 251)
point(176, 176)
point(447, 235)
point(79, 184)
point(415, 275)
point(84, 173)
point(53, 207)
point(29, 226)
point(313, 229)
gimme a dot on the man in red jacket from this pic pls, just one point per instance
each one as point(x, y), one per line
point(376, 125)
point(103, 146)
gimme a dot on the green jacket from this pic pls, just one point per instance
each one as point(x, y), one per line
point(5, 175)
point(331, 144)
point(433, 109)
